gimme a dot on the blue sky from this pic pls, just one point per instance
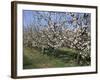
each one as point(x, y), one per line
point(30, 17)
point(29, 14)
point(27, 17)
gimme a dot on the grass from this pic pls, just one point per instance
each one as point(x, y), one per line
point(33, 58)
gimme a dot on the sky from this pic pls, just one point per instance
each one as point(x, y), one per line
point(27, 17)
point(30, 17)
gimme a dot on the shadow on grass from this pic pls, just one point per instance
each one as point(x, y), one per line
point(33, 58)
point(65, 55)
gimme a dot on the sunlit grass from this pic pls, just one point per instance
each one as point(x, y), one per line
point(33, 58)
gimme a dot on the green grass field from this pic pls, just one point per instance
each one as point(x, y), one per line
point(33, 58)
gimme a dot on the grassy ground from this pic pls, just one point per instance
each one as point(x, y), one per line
point(33, 58)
